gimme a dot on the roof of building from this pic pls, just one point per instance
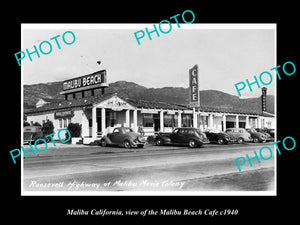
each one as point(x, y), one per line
point(64, 104)
point(155, 105)
point(267, 114)
point(90, 100)
point(50, 99)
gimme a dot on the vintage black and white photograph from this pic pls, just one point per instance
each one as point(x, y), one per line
point(138, 109)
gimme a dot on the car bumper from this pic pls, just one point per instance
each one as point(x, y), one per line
point(206, 141)
point(248, 139)
point(138, 144)
point(270, 139)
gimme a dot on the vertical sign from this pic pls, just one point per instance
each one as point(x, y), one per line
point(194, 87)
point(263, 99)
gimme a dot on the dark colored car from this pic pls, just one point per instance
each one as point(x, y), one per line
point(216, 136)
point(182, 136)
point(123, 136)
point(268, 132)
point(239, 135)
point(32, 133)
point(256, 136)
point(271, 132)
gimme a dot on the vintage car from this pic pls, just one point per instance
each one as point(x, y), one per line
point(182, 136)
point(239, 135)
point(256, 136)
point(123, 136)
point(32, 133)
point(217, 136)
point(269, 133)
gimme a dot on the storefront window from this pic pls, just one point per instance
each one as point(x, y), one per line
point(186, 120)
point(203, 122)
point(60, 123)
point(148, 120)
point(170, 120)
point(65, 123)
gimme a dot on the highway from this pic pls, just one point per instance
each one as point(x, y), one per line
point(167, 169)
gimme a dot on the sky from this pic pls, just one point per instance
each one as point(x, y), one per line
point(225, 54)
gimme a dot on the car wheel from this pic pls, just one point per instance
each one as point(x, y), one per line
point(159, 142)
point(255, 140)
point(103, 143)
point(192, 143)
point(220, 141)
point(127, 144)
point(240, 140)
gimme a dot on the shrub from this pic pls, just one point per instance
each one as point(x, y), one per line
point(75, 130)
point(47, 127)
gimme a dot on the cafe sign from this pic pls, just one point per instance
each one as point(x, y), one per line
point(194, 87)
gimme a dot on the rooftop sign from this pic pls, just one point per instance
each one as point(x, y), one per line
point(86, 82)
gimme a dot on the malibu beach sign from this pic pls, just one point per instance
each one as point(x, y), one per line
point(86, 82)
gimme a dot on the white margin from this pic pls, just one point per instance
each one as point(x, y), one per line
point(148, 193)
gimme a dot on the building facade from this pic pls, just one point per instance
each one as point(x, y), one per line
point(100, 113)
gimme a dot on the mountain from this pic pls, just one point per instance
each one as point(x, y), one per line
point(179, 95)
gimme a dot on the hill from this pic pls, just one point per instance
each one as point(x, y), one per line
point(179, 95)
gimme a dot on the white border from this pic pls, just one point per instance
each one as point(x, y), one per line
point(272, 26)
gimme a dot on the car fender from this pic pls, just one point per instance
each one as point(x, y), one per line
point(256, 136)
point(130, 139)
point(164, 139)
point(107, 140)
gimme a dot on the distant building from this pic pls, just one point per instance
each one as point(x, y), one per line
point(44, 101)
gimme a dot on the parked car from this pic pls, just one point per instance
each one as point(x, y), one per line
point(32, 133)
point(217, 136)
point(192, 137)
point(256, 136)
point(268, 132)
point(239, 135)
point(271, 132)
point(267, 135)
point(123, 136)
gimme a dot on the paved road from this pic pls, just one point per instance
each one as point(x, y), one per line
point(87, 168)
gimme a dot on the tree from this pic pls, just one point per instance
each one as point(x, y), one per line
point(47, 127)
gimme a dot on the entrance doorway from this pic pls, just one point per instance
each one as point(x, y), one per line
point(156, 120)
point(110, 119)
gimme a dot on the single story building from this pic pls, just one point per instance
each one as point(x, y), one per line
point(100, 113)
